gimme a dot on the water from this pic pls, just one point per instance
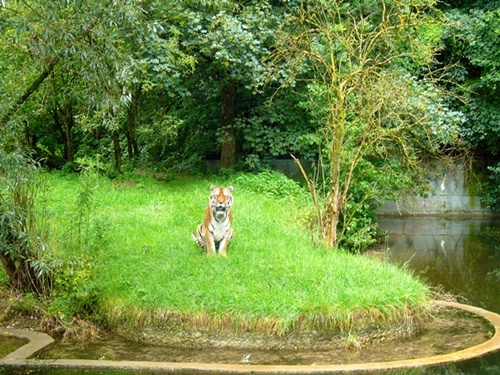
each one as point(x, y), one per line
point(448, 332)
point(460, 256)
point(457, 256)
point(8, 344)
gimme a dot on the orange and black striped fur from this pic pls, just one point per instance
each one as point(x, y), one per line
point(215, 233)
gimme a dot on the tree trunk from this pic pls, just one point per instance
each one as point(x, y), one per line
point(333, 218)
point(228, 134)
point(67, 126)
point(64, 119)
point(118, 151)
point(25, 96)
point(336, 201)
point(132, 118)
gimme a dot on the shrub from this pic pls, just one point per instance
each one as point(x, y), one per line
point(271, 183)
point(22, 247)
point(82, 237)
point(491, 189)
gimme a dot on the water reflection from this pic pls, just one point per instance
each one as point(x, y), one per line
point(462, 256)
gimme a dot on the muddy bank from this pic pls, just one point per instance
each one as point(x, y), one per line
point(448, 331)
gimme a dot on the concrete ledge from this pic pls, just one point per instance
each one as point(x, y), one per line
point(19, 358)
point(37, 341)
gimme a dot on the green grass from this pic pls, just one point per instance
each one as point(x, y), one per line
point(273, 280)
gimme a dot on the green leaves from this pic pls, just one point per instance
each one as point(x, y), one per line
point(361, 62)
point(473, 39)
point(21, 242)
point(229, 40)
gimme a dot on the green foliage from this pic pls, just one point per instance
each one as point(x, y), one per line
point(472, 44)
point(94, 70)
point(473, 40)
point(50, 251)
point(75, 290)
point(230, 39)
point(22, 247)
point(159, 145)
point(146, 77)
point(491, 190)
point(75, 293)
point(276, 129)
point(273, 184)
point(371, 111)
point(358, 223)
point(27, 303)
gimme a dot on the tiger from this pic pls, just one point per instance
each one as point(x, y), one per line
point(215, 233)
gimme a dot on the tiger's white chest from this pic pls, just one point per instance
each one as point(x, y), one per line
point(219, 228)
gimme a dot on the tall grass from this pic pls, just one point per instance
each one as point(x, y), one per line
point(149, 272)
point(21, 234)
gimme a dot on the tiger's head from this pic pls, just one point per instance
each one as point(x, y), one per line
point(221, 200)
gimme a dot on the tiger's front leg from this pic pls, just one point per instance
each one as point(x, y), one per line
point(225, 241)
point(210, 241)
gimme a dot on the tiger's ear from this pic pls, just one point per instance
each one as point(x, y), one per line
point(231, 188)
point(212, 187)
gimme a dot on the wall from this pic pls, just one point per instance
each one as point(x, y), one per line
point(449, 194)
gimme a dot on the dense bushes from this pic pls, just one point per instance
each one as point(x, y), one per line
point(22, 242)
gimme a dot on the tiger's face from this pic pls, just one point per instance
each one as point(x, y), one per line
point(221, 200)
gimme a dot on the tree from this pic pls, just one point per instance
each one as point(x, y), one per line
point(189, 71)
point(375, 118)
point(157, 68)
point(472, 42)
point(229, 39)
point(80, 62)
point(92, 74)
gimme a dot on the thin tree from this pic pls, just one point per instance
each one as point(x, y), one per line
point(357, 60)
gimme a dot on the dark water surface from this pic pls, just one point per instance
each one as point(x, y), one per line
point(9, 343)
point(457, 256)
point(461, 256)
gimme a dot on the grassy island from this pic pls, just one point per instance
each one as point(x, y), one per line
point(126, 258)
